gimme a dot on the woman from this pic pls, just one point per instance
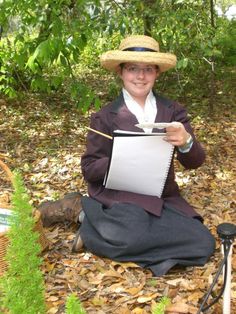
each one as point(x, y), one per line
point(154, 232)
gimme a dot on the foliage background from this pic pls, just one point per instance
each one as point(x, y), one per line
point(53, 46)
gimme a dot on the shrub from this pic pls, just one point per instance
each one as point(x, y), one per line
point(161, 306)
point(73, 305)
point(22, 285)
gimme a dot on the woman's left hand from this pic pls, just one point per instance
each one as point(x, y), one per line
point(176, 134)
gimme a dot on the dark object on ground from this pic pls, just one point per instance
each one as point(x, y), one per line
point(66, 209)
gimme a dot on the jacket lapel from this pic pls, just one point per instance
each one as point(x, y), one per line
point(123, 119)
point(164, 113)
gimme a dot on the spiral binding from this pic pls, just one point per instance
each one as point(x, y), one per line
point(167, 170)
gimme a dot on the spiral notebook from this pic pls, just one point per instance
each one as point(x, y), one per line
point(139, 163)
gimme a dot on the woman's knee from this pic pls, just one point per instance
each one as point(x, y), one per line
point(207, 244)
point(211, 244)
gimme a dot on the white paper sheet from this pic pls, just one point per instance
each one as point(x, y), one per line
point(4, 219)
point(139, 164)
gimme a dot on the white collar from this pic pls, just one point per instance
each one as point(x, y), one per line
point(146, 114)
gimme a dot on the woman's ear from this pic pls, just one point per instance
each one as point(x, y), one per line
point(158, 73)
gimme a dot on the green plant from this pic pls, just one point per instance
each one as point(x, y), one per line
point(84, 97)
point(22, 286)
point(161, 306)
point(73, 305)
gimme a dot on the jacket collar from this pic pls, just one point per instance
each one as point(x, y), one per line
point(117, 103)
point(125, 120)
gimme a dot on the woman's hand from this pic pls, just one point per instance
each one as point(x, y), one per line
point(177, 135)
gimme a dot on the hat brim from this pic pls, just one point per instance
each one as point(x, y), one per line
point(111, 60)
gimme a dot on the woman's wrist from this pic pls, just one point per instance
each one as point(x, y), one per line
point(188, 144)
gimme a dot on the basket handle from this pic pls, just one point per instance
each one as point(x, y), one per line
point(7, 170)
point(10, 176)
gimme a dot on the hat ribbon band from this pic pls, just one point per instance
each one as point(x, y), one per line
point(139, 49)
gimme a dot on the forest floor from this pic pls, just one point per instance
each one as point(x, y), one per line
point(45, 140)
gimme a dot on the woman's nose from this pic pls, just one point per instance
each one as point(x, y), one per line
point(141, 73)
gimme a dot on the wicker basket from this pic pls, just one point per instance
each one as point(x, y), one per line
point(4, 241)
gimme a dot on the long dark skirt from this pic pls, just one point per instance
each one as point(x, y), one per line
point(126, 232)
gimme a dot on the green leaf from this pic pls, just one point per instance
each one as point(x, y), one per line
point(63, 60)
point(183, 63)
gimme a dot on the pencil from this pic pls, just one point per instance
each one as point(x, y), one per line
point(100, 133)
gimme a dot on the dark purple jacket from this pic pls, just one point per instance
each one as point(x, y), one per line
point(95, 160)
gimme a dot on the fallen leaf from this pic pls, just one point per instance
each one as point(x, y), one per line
point(147, 298)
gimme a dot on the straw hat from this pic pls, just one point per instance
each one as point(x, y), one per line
point(138, 48)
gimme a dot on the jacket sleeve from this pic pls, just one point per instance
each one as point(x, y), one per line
point(94, 162)
point(196, 156)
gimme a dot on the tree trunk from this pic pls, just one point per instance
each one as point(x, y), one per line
point(148, 20)
point(212, 76)
point(212, 13)
point(1, 31)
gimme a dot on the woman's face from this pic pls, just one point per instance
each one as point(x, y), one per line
point(138, 79)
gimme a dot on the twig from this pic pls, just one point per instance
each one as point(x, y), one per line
point(118, 5)
point(20, 80)
point(210, 62)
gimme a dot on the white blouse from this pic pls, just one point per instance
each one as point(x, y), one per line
point(146, 114)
